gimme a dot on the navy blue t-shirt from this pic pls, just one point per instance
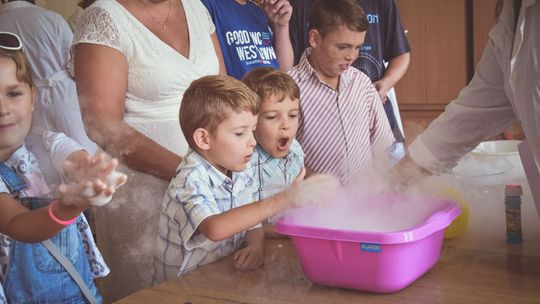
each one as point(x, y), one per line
point(385, 39)
point(245, 37)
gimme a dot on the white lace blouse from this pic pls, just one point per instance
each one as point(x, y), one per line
point(157, 78)
point(158, 75)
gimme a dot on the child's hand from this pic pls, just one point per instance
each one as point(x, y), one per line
point(84, 194)
point(316, 189)
point(249, 257)
point(95, 176)
point(278, 12)
point(85, 167)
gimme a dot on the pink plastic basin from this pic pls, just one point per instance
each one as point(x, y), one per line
point(381, 262)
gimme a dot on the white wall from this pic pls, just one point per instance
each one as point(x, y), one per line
point(63, 7)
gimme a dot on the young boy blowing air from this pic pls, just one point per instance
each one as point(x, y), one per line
point(207, 208)
point(278, 157)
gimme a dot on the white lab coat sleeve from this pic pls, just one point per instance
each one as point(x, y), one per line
point(482, 109)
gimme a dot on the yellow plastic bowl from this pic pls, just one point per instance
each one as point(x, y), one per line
point(459, 225)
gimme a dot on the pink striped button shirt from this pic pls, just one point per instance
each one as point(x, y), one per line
point(340, 131)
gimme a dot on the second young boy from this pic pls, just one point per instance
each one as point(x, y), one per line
point(278, 157)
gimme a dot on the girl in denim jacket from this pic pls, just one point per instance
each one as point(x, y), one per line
point(31, 219)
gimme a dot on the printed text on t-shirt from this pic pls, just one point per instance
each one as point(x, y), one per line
point(252, 47)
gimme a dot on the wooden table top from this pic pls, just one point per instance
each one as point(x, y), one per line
point(477, 267)
point(461, 276)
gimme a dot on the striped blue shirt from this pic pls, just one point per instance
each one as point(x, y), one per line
point(273, 175)
point(197, 191)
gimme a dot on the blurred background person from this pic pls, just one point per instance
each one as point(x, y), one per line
point(133, 60)
point(47, 39)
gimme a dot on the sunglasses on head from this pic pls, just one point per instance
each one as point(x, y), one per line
point(10, 41)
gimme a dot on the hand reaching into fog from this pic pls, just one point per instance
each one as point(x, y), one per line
point(278, 12)
point(316, 189)
point(407, 173)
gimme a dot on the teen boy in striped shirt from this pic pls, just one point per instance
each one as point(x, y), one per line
point(342, 122)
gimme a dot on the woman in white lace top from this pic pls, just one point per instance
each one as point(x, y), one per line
point(133, 59)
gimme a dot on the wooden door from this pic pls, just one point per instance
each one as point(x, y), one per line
point(437, 35)
point(483, 20)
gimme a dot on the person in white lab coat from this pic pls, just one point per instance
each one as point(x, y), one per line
point(47, 39)
point(504, 89)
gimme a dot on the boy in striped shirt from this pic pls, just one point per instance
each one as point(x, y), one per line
point(343, 125)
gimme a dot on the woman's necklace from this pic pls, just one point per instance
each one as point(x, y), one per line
point(163, 24)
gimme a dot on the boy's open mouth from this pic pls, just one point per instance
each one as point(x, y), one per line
point(283, 143)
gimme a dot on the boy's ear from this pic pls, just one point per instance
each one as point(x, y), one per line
point(314, 37)
point(201, 137)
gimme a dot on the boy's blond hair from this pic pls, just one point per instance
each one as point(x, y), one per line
point(269, 81)
point(23, 68)
point(208, 101)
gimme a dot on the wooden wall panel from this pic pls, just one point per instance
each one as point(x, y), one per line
point(483, 20)
point(438, 70)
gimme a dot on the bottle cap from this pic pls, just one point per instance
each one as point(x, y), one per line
point(513, 190)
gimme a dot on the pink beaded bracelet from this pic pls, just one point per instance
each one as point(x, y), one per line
point(57, 220)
